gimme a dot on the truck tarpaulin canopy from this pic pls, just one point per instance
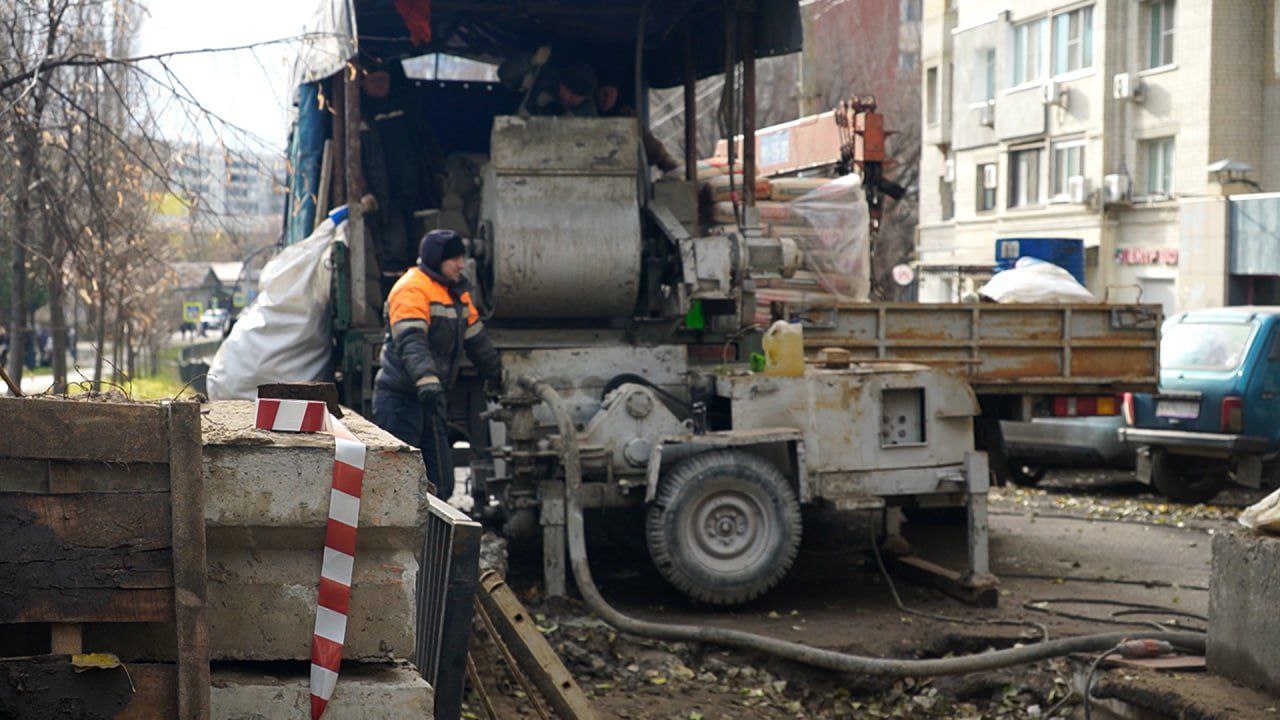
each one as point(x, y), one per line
point(590, 29)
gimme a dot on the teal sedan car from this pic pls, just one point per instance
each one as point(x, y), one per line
point(1216, 417)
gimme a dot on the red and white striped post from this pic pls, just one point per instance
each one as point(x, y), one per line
point(334, 597)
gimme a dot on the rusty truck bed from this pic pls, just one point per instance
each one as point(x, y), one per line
point(1002, 349)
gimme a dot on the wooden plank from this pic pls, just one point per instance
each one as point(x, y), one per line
point(536, 657)
point(50, 687)
point(325, 391)
point(190, 581)
point(51, 429)
point(923, 572)
point(42, 476)
point(85, 557)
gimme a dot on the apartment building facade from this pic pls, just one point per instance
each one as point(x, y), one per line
point(1104, 120)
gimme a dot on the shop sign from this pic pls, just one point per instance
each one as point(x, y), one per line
point(1146, 256)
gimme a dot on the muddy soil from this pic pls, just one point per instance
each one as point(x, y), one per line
point(1070, 540)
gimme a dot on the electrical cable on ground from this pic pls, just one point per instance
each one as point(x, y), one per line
point(1088, 682)
point(1040, 605)
point(818, 657)
point(1100, 580)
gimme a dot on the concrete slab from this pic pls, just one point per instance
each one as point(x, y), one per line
point(1244, 629)
point(262, 606)
point(256, 478)
point(364, 692)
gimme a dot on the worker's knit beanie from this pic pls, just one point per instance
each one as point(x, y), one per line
point(438, 246)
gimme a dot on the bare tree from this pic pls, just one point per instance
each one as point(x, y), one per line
point(84, 161)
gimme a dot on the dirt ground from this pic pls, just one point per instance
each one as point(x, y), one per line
point(1064, 552)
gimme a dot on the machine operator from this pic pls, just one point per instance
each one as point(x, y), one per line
point(431, 321)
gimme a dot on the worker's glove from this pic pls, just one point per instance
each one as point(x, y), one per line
point(429, 389)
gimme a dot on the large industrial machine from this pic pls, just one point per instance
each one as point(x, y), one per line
point(720, 458)
point(624, 322)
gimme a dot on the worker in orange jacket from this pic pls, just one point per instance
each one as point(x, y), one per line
point(431, 322)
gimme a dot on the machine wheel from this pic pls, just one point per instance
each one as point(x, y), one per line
point(1185, 482)
point(725, 527)
point(1025, 475)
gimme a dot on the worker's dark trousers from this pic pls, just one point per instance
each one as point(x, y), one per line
point(424, 426)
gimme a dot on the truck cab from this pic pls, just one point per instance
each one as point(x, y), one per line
point(1215, 418)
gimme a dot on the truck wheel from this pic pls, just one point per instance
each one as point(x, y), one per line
point(1025, 475)
point(1183, 482)
point(725, 527)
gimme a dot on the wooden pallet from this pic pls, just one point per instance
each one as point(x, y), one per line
point(102, 521)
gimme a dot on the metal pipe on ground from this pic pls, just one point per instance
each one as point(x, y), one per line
point(818, 657)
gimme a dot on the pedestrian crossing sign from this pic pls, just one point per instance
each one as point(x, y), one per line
point(191, 311)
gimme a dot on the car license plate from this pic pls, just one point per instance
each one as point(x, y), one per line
point(1181, 409)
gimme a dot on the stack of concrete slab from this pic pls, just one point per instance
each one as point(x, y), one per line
point(1244, 627)
point(266, 506)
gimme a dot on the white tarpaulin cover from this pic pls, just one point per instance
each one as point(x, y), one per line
point(838, 248)
point(1032, 280)
point(330, 41)
point(1263, 515)
point(283, 336)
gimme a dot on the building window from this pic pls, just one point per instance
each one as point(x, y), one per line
point(1073, 40)
point(984, 76)
point(1029, 40)
point(1159, 164)
point(1068, 162)
point(908, 60)
point(910, 10)
point(931, 94)
point(986, 184)
point(1024, 177)
point(1160, 33)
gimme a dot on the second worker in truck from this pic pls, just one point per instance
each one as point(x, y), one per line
point(431, 322)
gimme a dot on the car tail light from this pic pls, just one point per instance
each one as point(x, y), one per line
point(1130, 411)
point(1232, 414)
point(1084, 405)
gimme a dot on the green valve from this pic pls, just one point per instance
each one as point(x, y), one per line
point(694, 319)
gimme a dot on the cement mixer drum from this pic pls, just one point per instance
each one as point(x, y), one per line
point(562, 218)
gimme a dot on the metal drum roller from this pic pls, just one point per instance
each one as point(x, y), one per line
point(561, 236)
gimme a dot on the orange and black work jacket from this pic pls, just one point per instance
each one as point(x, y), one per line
point(429, 325)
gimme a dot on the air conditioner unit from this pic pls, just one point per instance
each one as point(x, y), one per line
point(949, 170)
point(1116, 189)
point(987, 116)
point(1078, 189)
point(989, 176)
point(1127, 87)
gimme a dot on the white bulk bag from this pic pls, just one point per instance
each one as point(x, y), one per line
point(283, 336)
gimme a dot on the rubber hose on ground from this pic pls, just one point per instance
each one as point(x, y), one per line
point(828, 659)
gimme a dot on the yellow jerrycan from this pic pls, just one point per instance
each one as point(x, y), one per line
point(784, 349)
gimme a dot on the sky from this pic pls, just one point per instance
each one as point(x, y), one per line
point(247, 89)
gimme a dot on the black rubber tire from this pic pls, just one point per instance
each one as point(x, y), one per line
point(1025, 475)
point(746, 507)
point(1183, 482)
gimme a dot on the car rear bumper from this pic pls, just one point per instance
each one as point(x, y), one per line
point(1090, 442)
point(1173, 439)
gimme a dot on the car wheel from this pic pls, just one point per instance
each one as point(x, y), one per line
point(724, 527)
point(1025, 475)
point(1175, 480)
